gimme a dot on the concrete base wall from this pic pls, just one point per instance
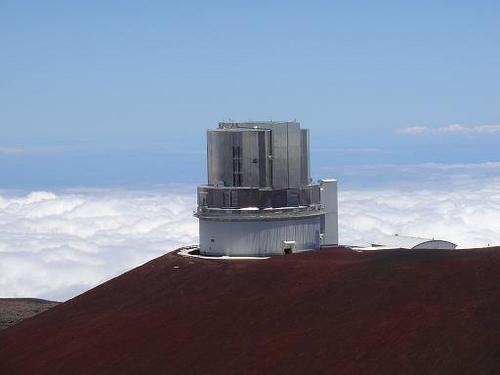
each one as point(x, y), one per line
point(258, 238)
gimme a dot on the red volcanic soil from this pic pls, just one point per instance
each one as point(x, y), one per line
point(333, 311)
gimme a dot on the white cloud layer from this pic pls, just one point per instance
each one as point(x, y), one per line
point(56, 246)
point(468, 216)
point(451, 129)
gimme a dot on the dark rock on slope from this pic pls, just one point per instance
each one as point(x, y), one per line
point(328, 312)
point(13, 310)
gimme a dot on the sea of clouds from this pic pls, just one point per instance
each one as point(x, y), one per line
point(55, 245)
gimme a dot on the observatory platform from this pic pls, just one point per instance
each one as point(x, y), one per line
point(260, 199)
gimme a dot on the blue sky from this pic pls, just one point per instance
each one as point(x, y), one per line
point(120, 93)
point(104, 106)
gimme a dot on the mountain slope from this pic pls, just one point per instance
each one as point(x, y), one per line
point(330, 311)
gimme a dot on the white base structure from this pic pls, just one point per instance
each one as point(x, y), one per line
point(260, 237)
point(330, 219)
point(407, 242)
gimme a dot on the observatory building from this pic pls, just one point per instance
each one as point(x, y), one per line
point(411, 243)
point(260, 200)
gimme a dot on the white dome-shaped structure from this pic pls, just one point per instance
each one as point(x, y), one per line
point(408, 242)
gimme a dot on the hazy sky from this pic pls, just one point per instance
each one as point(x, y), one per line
point(120, 93)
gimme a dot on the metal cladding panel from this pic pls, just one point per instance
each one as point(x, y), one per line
point(279, 198)
point(279, 141)
point(305, 161)
point(304, 197)
point(294, 154)
point(292, 197)
point(265, 177)
point(212, 197)
point(309, 195)
point(286, 150)
point(258, 238)
point(203, 195)
point(251, 161)
point(265, 199)
point(315, 194)
point(250, 172)
point(216, 198)
point(220, 156)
